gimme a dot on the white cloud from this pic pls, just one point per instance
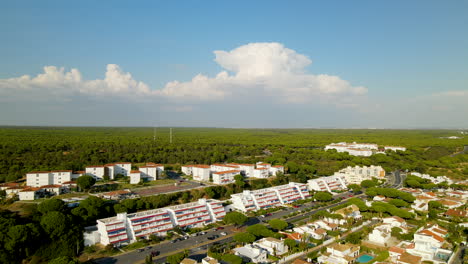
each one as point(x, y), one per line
point(253, 72)
point(55, 82)
point(263, 69)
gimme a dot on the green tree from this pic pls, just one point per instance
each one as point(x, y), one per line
point(231, 259)
point(323, 196)
point(355, 188)
point(235, 218)
point(239, 180)
point(278, 224)
point(291, 243)
point(51, 205)
point(368, 184)
point(63, 260)
point(149, 259)
point(177, 258)
point(354, 238)
point(85, 182)
point(260, 230)
point(244, 237)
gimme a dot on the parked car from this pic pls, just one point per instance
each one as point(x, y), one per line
point(223, 233)
point(269, 214)
point(296, 206)
point(140, 249)
point(211, 237)
point(219, 228)
point(155, 253)
point(148, 247)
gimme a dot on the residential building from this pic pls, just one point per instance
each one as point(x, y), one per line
point(188, 261)
point(113, 230)
point(407, 258)
point(41, 178)
point(269, 197)
point(224, 177)
point(223, 167)
point(97, 171)
point(263, 165)
point(151, 222)
point(209, 260)
point(135, 176)
point(127, 228)
point(276, 169)
point(247, 170)
point(395, 221)
point(328, 184)
point(7, 185)
point(53, 189)
point(261, 173)
point(114, 169)
point(29, 194)
point(355, 175)
point(428, 243)
point(11, 191)
point(454, 213)
point(381, 235)
point(354, 149)
point(274, 246)
point(151, 171)
point(394, 148)
point(201, 172)
point(186, 169)
point(351, 211)
point(340, 254)
point(251, 253)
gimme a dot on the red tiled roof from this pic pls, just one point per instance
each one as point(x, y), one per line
point(226, 172)
point(69, 182)
point(51, 186)
point(7, 184)
point(397, 250)
point(201, 166)
point(95, 166)
point(61, 171)
point(38, 172)
point(457, 213)
point(435, 236)
point(408, 258)
point(31, 189)
point(135, 171)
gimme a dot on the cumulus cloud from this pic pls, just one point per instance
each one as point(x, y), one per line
point(263, 69)
point(56, 82)
point(252, 72)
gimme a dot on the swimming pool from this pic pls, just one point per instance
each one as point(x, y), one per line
point(364, 258)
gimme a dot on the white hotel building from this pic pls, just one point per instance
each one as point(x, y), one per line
point(198, 172)
point(328, 184)
point(126, 228)
point(148, 172)
point(354, 149)
point(269, 197)
point(355, 175)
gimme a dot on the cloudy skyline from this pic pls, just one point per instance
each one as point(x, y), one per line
point(311, 65)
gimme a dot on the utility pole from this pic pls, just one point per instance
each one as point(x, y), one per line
point(154, 134)
point(170, 138)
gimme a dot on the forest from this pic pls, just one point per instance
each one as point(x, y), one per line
point(24, 149)
point(51, 231)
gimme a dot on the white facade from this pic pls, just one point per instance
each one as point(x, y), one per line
point(186, 169)
point(201, 172)
point(339, 254)
point(428, 242)
point(246, 169)
point(28, 194)
point(135, 176)
point(269, 197)
point(151, 171)
point(223, 167)
point(395, 148)
point(381, 235)
point(97, 172)
point(355, 175)
point(435, 180)
point(328, 184)
point(261, 173)
point(275, 169)
point(127, 228)
point(41, 178)
point(272, 245)
point(251, 253)
point(354, 149)
point(225, 177)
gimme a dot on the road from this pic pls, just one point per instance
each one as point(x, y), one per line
point(201, 243)
point(465, 150)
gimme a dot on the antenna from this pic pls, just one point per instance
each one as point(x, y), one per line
point(154, 133)
point(170, 135)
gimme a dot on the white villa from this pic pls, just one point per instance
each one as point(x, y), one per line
point(355, 175)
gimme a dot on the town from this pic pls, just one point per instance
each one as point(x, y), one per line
point(359, 214)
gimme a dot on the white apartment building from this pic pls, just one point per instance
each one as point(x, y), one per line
point(97, 172)
point(269, 197)
point(247, 170)
point(251, 253)
point(328, 184)
point(225, 177)
point(29, 194)
point(355, 175)
point(223, 167)
point(263, 165)
point(151, 171)
point(275, 169)
point(340, 254)
point(127, 228)
point(198, 172)
point(114, 169)
point(354, 149)
point(261, 173)
point(113, 230)
point(381, 235)
point(135, 176)
point(196, 214)
point(394, 148)
point(146, 223)
point(41, 178)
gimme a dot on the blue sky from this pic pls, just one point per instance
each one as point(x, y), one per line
point(397, 64)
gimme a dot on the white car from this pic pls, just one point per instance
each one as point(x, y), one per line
point(223, 233)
